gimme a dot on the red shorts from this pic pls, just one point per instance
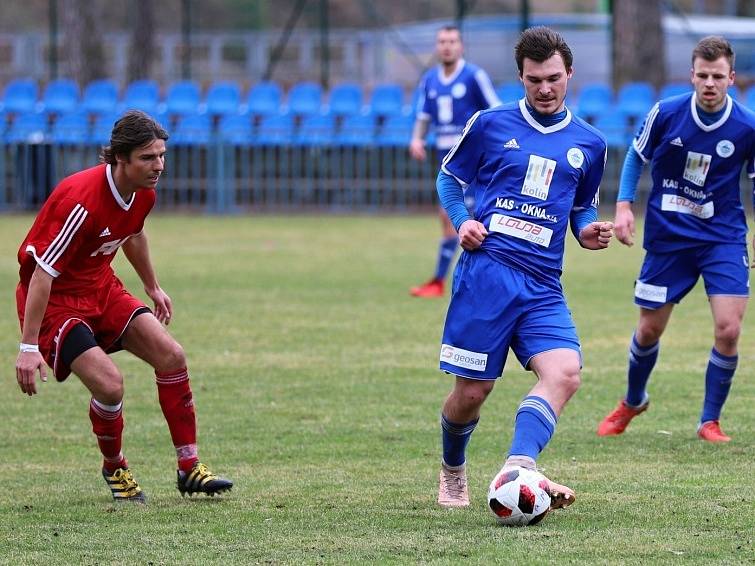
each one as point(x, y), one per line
point(107, 312)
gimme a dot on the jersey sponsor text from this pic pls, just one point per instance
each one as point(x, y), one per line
point(521, 229)
point(677, 203)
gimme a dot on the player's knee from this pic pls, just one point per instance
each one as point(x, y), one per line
point(475, 392)
point(110, 388)
point(728, 332)
point(648, 333)
point(173, 357)
point(570, 380)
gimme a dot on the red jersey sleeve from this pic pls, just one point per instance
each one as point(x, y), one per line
point(56, 235)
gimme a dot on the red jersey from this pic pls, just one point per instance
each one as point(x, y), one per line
point(80, 227)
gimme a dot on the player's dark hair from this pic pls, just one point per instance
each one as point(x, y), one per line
point(540, 44)
point(712, 48)
point(131, 131)
point(450, 27)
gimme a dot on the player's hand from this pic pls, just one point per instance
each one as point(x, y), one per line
point(471, 234)
point(596, 235)
point(624, 223)
point(163, 305)
point(417, 149)
point(27, 365)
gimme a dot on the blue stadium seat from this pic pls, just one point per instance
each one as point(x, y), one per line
point(749, 98)
point(674, 89)
point(193, 129)
point(71, 129)
point(20, 96)
point(263, 99)
point(182, 99)
point(510, 91)
point(141, 95)
point(305, 98)
point(387, 100)
point(275, 129)
point(236, 129)
point(356, 130)
point(61, 96)
point(100, 97)
point(103, 126)
point(396, 131)
point(615, 128)
point(223, 98)
point(316, 130)
point(27, 128)
point(594, 99)
point(346, 99)
point(635, 99)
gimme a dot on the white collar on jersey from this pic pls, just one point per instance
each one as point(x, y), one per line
point(537, 125)
point(116, 195)
point(714, 125)
point(447, 80)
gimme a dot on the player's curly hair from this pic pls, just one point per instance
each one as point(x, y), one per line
point(540, 44)
point(133, 130)
point(713, 47)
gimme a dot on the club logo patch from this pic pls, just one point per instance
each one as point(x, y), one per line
point(724, 148)
point(458, 90)
point(575, 157)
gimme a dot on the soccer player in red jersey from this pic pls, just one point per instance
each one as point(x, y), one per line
point(74, 311)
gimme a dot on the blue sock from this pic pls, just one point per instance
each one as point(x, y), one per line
point(641, 362)
point(534, 425)
point(446, 253)
point(718, 378)
point(455, 440)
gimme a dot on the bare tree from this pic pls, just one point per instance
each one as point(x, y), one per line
point(82, 21)
point(638, 48)
point(142, 26)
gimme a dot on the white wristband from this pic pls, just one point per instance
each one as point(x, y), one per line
point(23, 348)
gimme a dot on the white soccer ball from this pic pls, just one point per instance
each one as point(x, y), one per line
point(519, 497)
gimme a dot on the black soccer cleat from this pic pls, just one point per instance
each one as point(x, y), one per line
point(201, 480)
point(123, 486)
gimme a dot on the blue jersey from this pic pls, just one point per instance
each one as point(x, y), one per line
point(695, 170)
point(448, 102)
point(527, 180)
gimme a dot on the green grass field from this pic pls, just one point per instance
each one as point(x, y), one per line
point(317, 390)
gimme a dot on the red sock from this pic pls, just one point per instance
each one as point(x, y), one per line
point(107, 425)
point(177, 404)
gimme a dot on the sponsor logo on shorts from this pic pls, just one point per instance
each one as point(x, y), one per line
point(676, 203)
point(463, 358)
point(653, 293)
point(522, 229)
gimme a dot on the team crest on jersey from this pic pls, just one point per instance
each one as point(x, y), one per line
point(459, 90)
point(697, 167)
point(432, 93)
point(537, 181)
point(575, 157)
point(724, 148)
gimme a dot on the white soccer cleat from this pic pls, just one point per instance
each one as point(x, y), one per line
point(452, 488)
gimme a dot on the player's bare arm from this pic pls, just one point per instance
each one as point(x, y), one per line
point(29, 360)
point(624, 223)
point(417, 144)
point(472, 234)
point(596, 235)
point(136, 249)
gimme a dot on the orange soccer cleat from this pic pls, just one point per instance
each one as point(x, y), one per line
point(433, 288)
point(711, 431)
point(616, 422)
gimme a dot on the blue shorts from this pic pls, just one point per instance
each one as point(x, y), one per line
point(495, 307)
point(668, 277)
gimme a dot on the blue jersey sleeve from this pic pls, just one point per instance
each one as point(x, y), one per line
point(451, 196)
point(630, 176)
point(423, 109)
point(463, 160)
point(647, 136)
point(486, 92)
point(587, 194)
